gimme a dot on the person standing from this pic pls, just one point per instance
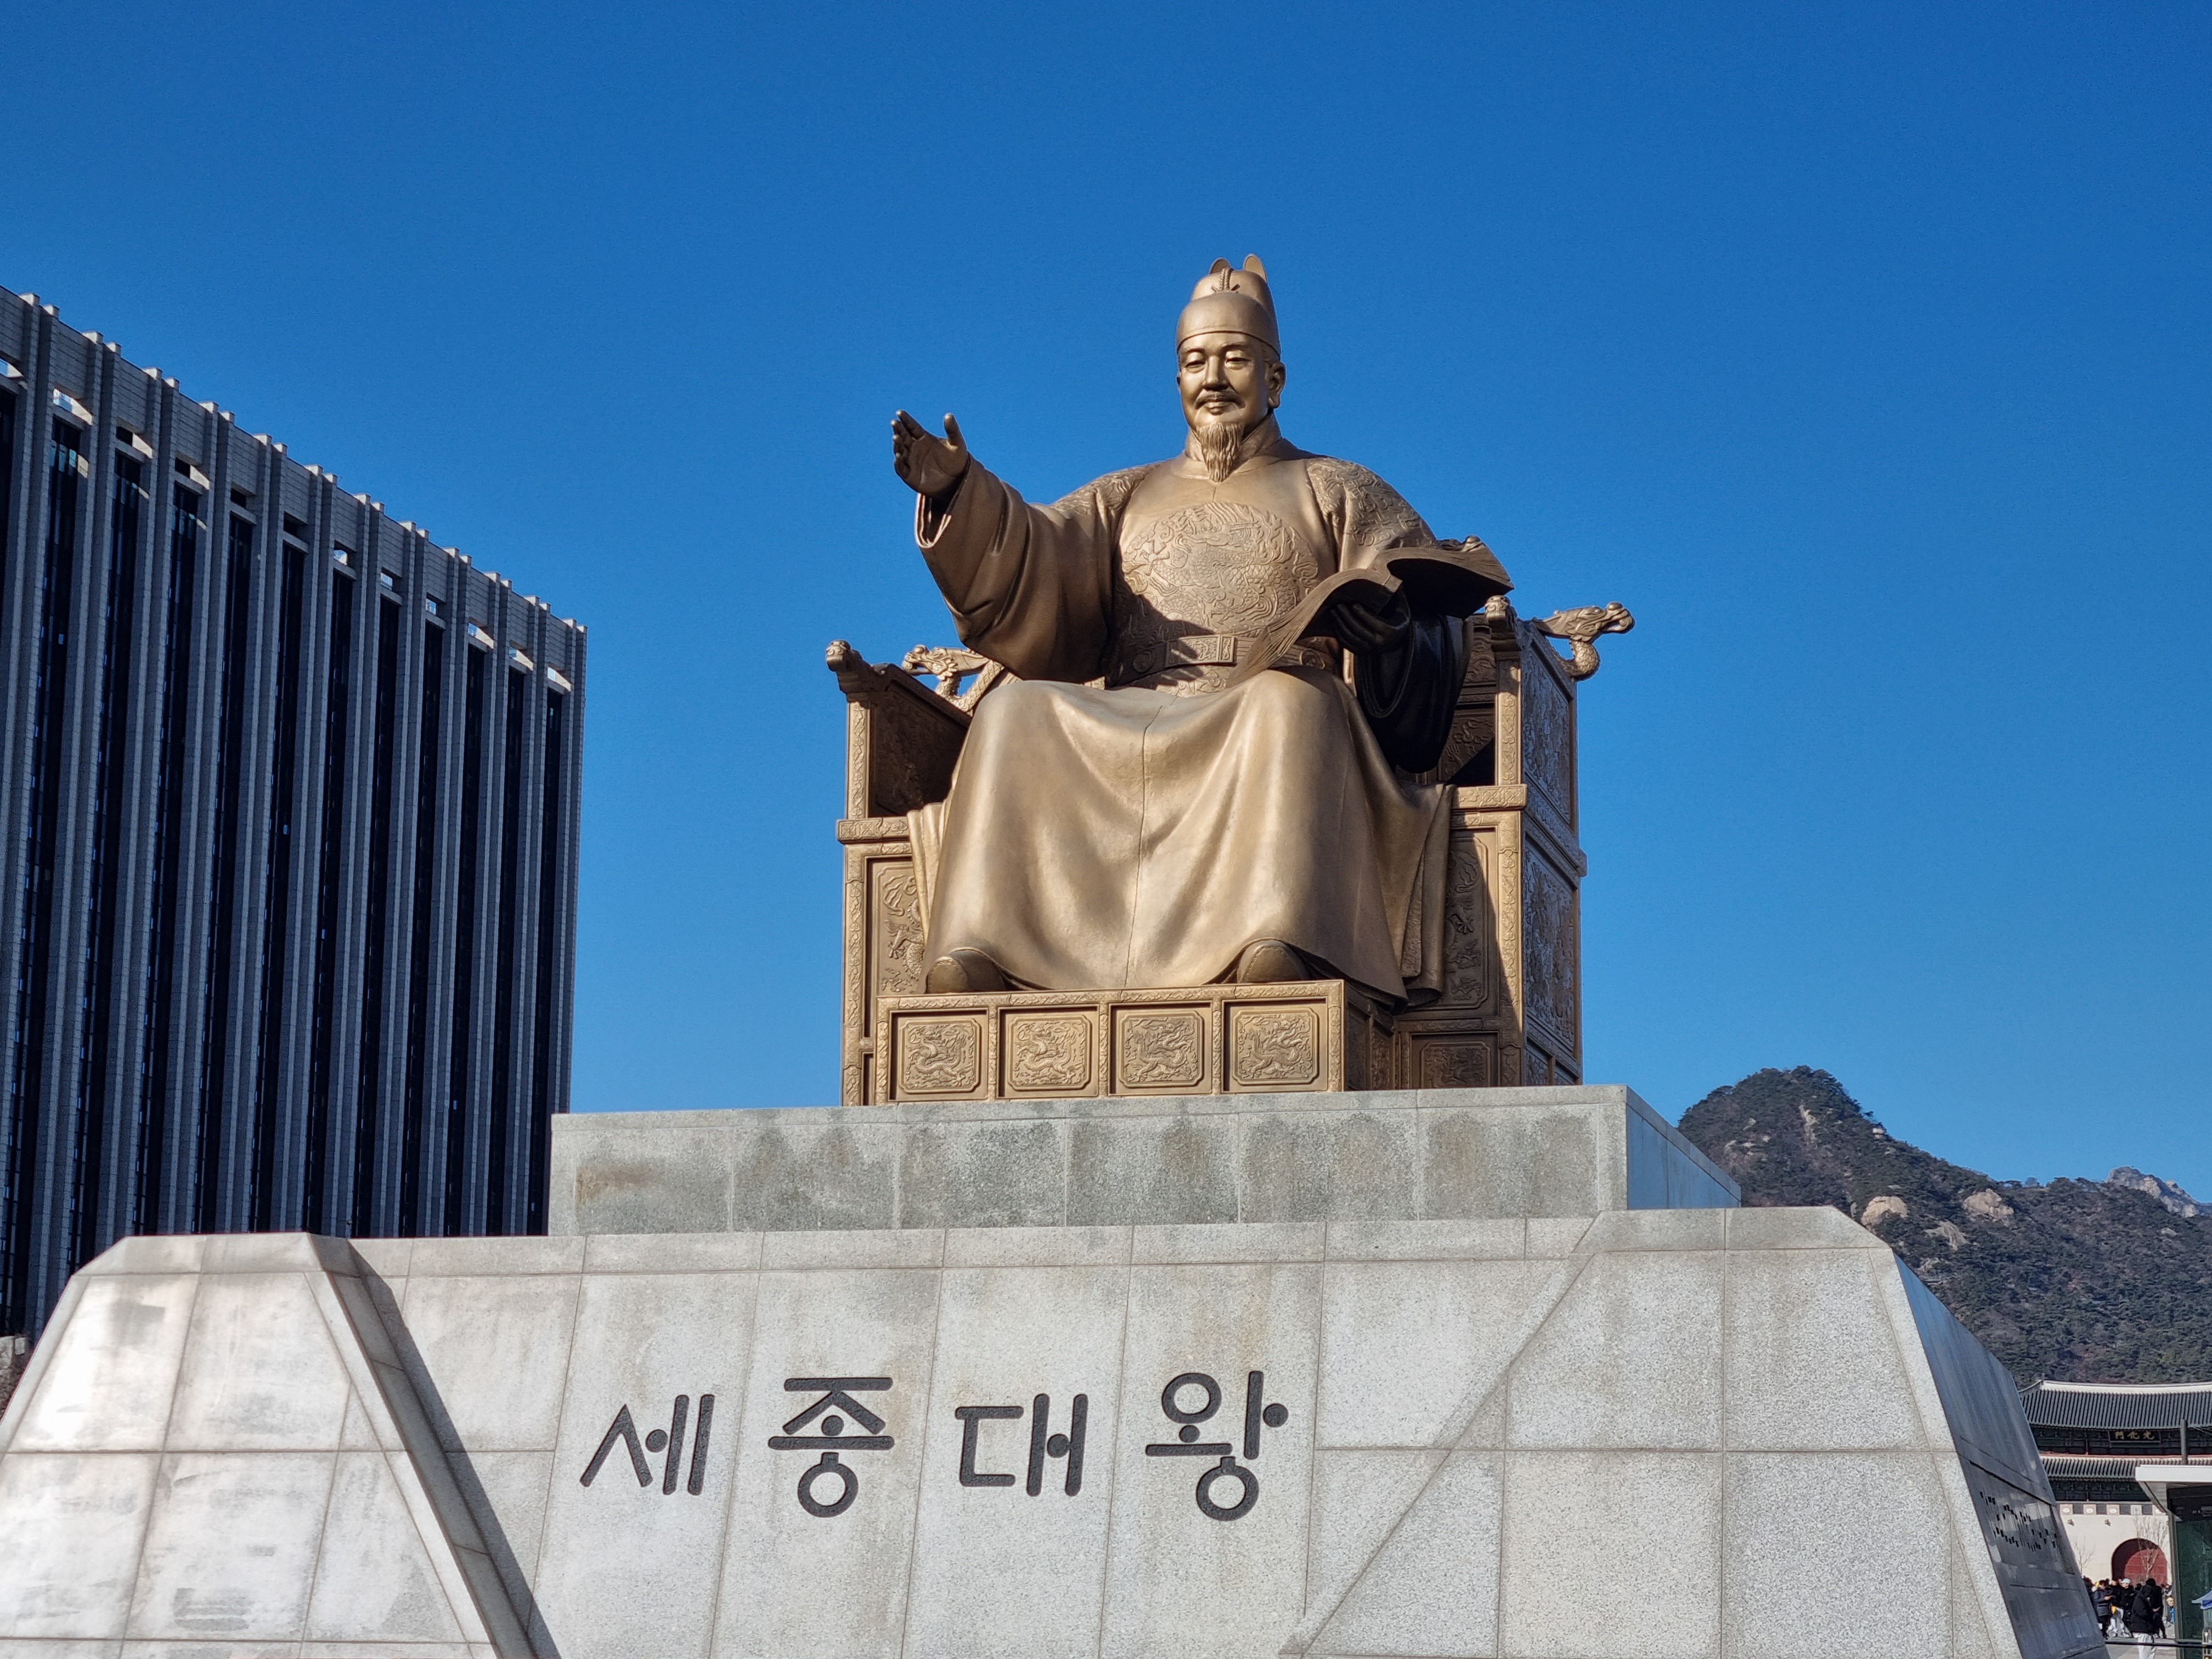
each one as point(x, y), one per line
point(2146, 1613)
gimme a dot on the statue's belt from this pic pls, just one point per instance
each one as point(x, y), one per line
point(1212, 651)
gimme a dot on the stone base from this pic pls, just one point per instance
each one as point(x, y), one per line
point(1042, 1045)
point(1475, 1374)
point(1715, 1434)
point(1156, 1160)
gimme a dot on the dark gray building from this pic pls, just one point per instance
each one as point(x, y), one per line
point(288, 818)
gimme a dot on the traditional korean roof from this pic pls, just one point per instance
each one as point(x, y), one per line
point(2118, 1404)
point(2065, 1466)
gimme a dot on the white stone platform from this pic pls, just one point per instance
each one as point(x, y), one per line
point(1376, 1154)
point(1692, 1432)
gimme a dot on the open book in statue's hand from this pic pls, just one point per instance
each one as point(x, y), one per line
point(1452, 578)
point(1361, 622)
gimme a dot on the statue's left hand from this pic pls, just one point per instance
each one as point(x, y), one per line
point(930, 464)
point(1366, 627)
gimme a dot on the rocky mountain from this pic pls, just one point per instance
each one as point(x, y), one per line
point(2080, 1280)
point(2168, 1192)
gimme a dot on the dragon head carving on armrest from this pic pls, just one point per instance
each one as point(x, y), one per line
point(1581, 627)
point(951, 665)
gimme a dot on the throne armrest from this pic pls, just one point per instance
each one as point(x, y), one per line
point(902, 738)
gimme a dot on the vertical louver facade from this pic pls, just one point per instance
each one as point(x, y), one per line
point(288, 839)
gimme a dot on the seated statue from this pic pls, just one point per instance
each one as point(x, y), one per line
point(1182, 784)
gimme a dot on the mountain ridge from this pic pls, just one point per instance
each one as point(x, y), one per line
point(2077, 1280)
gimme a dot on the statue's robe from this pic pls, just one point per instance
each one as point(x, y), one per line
point(1141, 829)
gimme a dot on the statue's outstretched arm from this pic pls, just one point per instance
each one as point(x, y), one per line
point(1027, 585)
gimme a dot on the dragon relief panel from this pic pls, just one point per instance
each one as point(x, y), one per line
point(911, 752)
point(1473, 730)
point(1481, 659)
point(1548, 737)
point(1550, 938)
point(1048, 1054)
point(1161, 1051)
point(895, 929)
point(1278, 1046)
point(1462, 1063)
point(854, 976)
point(940, 1056)
point(1470, 932)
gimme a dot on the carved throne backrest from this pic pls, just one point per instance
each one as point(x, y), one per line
point(902, 739)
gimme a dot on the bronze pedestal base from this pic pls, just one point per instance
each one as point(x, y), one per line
point(1309, 1036)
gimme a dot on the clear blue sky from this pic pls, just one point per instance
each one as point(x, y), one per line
point(1861, 349)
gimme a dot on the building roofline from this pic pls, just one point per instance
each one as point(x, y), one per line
point(2120, 1387)
point(285, 457)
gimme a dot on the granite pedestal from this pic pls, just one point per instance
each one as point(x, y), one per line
point(1406, 1155)
point(927, 1384)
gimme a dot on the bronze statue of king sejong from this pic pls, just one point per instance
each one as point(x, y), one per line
point(1228, 665)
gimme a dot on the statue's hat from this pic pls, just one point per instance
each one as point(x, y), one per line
point(1231, 301)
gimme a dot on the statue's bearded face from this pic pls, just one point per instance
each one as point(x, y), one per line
point(1229, 384)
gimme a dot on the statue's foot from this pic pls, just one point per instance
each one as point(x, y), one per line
point(1270, 962)
point(963, 971)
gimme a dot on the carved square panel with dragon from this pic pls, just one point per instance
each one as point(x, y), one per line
point(938, 1056)
point(1274, 1047)
point(1161, 1051)
point(1457, 1062)
point(1049, 1054)
point(1040, 1045)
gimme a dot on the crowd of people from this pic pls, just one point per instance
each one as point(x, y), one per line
point(2136, 1607)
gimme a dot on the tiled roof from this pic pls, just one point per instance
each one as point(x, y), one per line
point(2060, 1465)
point(2119, 1405)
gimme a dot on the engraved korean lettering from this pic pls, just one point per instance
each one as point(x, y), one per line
point(623, 1431)
point(836, 1392)
point(1045, 1443)
point(1259, 1413)
point(972, 1418)
point(1069, 1445)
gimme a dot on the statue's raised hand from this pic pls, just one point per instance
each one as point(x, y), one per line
point(930, 464)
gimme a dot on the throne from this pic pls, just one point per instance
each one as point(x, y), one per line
point(1509, 1010)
